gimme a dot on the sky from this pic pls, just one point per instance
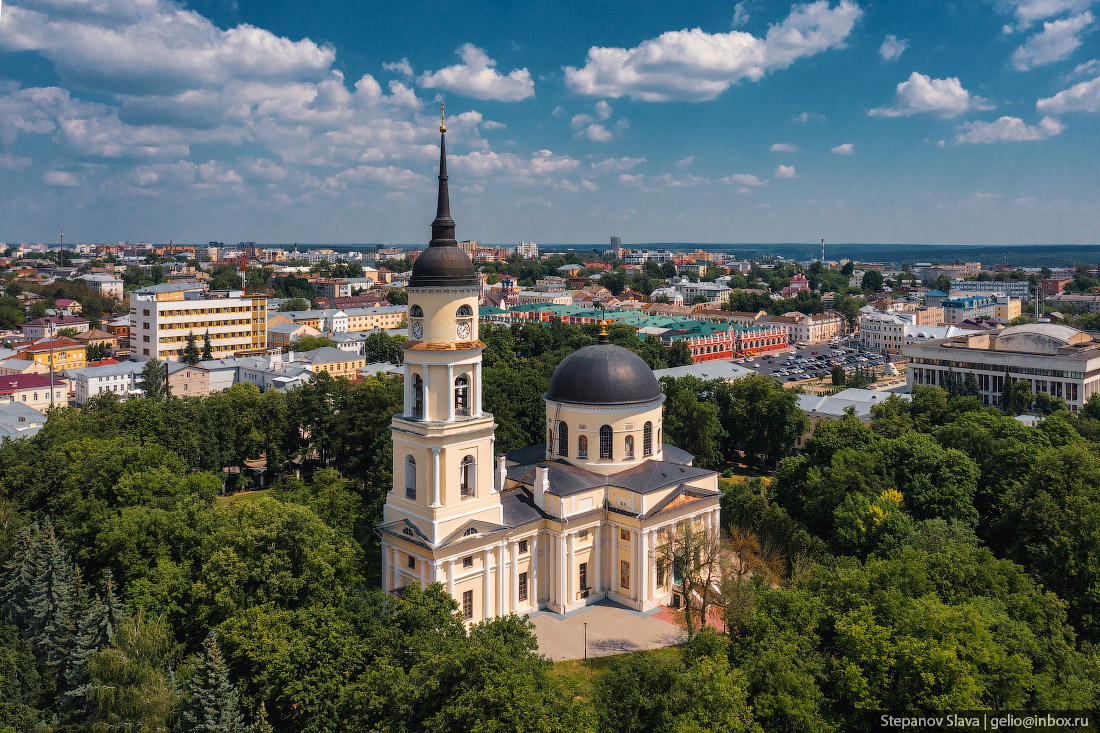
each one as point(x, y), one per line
point(932, 121)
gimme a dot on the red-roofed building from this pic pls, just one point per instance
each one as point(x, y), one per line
point(33, 390)
point(42, 327)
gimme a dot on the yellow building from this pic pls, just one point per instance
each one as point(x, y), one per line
point(337, 362)
point(1006, 308)
point(65, 353)
point(554, 526)
point(368, 319)
point(162, 316)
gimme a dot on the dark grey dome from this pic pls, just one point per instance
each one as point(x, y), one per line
point(442, 265)
point(603, 374)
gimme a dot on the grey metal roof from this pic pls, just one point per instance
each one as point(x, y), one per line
point(656, 475)
point(673, 454)
point(519, 507)
point(603, 374)
point(530, 454)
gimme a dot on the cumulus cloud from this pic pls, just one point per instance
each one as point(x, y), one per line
point(845, 149)
point(615, 165)
point(693, 65)
point(9, 162)
point(783, 148)
point(603, 109)
point(892, 48)
point(1008, 129)
point(921, 94)
point(785, 171)
point(685, 163)
point(664, 180)
point(402, 67)
point(587, 126)
point(1057, 40)
point(60, 178)
point(542, 166)
point(1082, 97)
point(1087, 68)
point(742, 179)
point(1029, 11)
point(477, 77)
point(740, 14)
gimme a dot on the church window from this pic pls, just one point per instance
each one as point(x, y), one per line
point(467, 471)
point(462, 396)
point(582, 447)
point(584, 575)
point(647, 439)
point(412, 562)
point(624, 574)
point(465, 310)
point(468, 604)
point(658, 436)
point(630, 446)
point(624, 535)
point(407, 532)
point(418, 396)
point(523, 545)
point(605, 441)
point(582, 535)
point(416, 312)
point(470, 531)
point(563, 439)
point(410, 478)
point(468, 561)
point(523, 586)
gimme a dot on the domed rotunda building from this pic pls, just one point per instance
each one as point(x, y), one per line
point(553, 526)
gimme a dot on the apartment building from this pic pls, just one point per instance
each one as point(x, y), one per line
point(818, 328)
point(383, 316)
point(58, 354)
point(957, 310)
point(52, 325)
point(34, 391)
point(162, 316)
point(1012, 288)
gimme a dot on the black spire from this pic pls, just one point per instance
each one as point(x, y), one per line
point(443, 228)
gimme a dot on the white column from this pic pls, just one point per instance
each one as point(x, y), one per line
point(426, 369)
point(493, 488)
point(570, 573)
point(396, 570)
point(477, 388)
point(487, 589)
point(563, 571)
point(451, 578)
point(435, 571)
point(533, 580)
point(501, 610)
point(596, 544)
point(387, 575)
point(408, 390)
point(643, 566)
point(651, 566)
point(423, 572)
point(450, 393)
point(635, 564)
point(515, 578)
point(435, 478)
point(551, 583)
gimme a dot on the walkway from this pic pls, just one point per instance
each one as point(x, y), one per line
point(612, 629)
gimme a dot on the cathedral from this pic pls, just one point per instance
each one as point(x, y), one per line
point(555, 526)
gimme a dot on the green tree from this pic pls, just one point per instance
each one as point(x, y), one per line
point(872, 281)
point(294, 304)
point(397, 297)
point(210, 700)
point(207, 348)
point(838, 375)
point(309, 343)
point(191, 353)
point(153, 382)
point(679, 354)
point(96, 632)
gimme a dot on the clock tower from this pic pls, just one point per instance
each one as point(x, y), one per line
point(443, 460)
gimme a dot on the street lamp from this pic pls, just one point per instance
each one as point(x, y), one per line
point(586, 641)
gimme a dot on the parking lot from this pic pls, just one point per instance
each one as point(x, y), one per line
point(817, 360)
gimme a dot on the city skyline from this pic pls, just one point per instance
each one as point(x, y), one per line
point(734, 122)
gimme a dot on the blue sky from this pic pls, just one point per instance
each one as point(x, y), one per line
point(755, 121)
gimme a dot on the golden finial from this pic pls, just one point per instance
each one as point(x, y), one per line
point(443, 117)
point(603, 328)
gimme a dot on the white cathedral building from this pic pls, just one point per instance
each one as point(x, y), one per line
point(554, 526)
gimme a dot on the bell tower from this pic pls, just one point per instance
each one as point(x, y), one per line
point(443, 444)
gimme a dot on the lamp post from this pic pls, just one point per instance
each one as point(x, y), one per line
point(585, 641)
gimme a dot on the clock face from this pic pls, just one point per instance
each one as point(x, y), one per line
point(418, 330)
point(464, 330)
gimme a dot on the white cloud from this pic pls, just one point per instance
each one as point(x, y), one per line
point(60, 178)
point(476, 77)
point(785, 171)
point(806, 117)
point(1008, 129)
point(1083, 97)
point(586, 125)
point(783, 148)
point(9, 162)
point(664, 180)
point(1029, 11)
point(742, 179)
point(1056, 41)
point(493, 125)
point(1088, 68)
point(614, 165)
point(922, 94)
point(603, 110)
point(892, 48)
point(740, 14)
point(693, 65)
point(597, 133)
point(588, 185)
point(845, 149)
point(685, 163)
point(401, 67)
point(542, 166)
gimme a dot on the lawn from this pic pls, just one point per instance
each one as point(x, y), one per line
point(577, 674)
point(243, 497)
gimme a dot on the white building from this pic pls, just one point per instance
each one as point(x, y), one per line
point(1012, 288)
point(162, 316)
point(107, 286)
point(527, 250)
point(121, 379)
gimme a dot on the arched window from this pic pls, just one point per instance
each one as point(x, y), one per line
point(630, 446)
point(647, 439)
point(605, 441)
point(467, 476)
point(462, 396)
point(416, 312)
point(563, 439)
point(469, 532)
point(582, 447)
point(465, 310)
point(418, 396)
point(410, 478)
point(658, 436)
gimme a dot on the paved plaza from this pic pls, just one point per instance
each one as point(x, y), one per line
point(612, 629)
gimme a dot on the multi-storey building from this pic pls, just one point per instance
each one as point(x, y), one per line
point(52, 325)
point(527, 250)
point(553, 526)
point(957, 310)
point(56, 354)
point(36, 391)
point(1058, 360)
point(817, 328)
point(162, 316)
point(1012, 288)
point(107, 286)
